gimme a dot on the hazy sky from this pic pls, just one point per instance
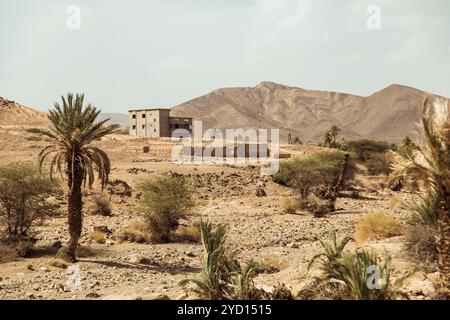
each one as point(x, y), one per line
point(149, 53)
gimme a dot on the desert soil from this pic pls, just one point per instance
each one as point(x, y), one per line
point(259, 228)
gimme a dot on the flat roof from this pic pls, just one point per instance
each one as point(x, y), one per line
point(155, 109)
point(181, 117)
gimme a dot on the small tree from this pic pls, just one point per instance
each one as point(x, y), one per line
point(365, 148)
point(315, 173)
point(167, 199)
point(334, 131)
point(297, 141)
point(327, 139)
point(22, 198)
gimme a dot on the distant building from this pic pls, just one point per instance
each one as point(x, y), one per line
point(155, 123)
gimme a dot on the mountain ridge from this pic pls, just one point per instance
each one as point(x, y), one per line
point(388, 114)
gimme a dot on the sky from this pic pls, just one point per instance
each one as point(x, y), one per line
point(160, 53)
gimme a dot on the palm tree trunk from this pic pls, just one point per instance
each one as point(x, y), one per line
point(75, 207)
point(443, 243)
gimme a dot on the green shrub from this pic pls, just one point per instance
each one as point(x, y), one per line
point(23, 194)
point(167, 200)
point(365, 148)
point(213, 282)
point(349, 276)
point(222, 276)
point(313, 173)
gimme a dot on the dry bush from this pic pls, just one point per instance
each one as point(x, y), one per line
point(317, 206)
point(396, 202)
point(12, 250)
point(138, 232)
point(86, 251)
point(420, 244)
point(166, 200)
point(7, 254)
point(269, 264)
point(57, 263)
point(289, 205)
point(420, 240)
point(189, 233)
point(377, 226)
point(378, 164)
point(98, 237)
point(100, 206)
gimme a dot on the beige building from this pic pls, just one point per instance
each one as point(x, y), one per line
point(155, 123)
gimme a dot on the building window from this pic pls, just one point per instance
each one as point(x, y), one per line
point(154, 120)
point(133, 116)
point(143, 115)
point(143, 126)
point(154, 130)
point(134, 127)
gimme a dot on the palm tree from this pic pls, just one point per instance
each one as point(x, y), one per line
point(431, 163)
point(73, 129)
point(334, 131)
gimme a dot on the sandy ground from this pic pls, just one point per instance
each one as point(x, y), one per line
point(258, 228)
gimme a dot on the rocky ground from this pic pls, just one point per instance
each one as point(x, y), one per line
point(239, 196)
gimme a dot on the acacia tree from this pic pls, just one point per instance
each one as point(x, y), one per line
point(430, 162)
point(334, 131)
point(72, 132)
point(22, 199)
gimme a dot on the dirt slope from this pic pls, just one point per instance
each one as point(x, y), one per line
point(389, 114)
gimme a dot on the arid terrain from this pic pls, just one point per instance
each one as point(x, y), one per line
point(259, 228)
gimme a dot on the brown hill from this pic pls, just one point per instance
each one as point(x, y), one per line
point(389, 114)
point(13, 114)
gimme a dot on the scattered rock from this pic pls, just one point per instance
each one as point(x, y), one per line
point(102, 229)
point(292, 245)
point(93, 295)
point(161, 297)
point(260, 192)
point(57, 244)
point(137, 259)
point(120, 188)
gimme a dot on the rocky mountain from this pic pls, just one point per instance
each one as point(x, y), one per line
point(389, 114)
point(14, 114)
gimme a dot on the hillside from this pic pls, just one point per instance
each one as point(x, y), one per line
point(14, 114)
point(389, 114)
